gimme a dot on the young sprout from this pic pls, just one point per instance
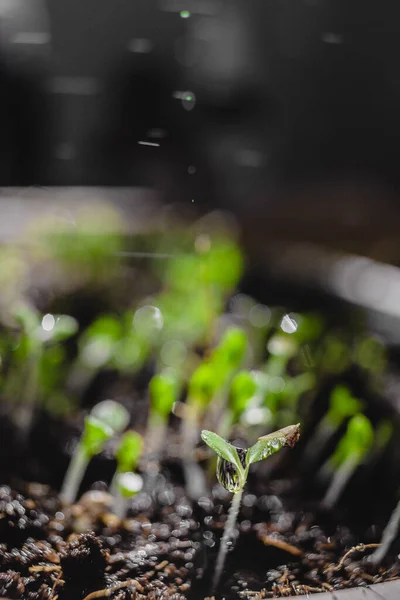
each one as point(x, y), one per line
point(232, 470)
point(97, 348)
point(202, 388)
point(226, 358)
point(350, 452)
point(342, 406)
point(243, 388)
point(128, 454)
point(163, 392)
point(95, 435)
point(281, 349)
point(128, 485)
point(39, 344)
point(112, 414)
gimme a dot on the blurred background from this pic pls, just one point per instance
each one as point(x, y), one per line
point(122, 123)
point(289, 108)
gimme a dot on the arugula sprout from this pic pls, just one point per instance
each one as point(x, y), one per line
point(126, 483)
point(95, 434)
point(163, 392)
point(127, 455)
point(112, 414)
point(232, 470)
point(350, 452)
point(342, 406)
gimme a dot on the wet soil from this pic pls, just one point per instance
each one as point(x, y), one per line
point(166, 548)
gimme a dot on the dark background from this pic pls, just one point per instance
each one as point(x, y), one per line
point(284, 94)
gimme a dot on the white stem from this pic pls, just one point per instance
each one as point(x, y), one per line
point(195, 479)
point(113, 489)
point(340, 480)
point(228, 533)
point(389, 534)
point(155, 437)
point(190, 431)
point(120, 505)
point(74, 476)
point(194, 475)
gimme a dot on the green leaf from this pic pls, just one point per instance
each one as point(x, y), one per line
point(129, 484)
point(95, 435)
point(129, 451)
point(243, 388)
point(204, 383)
point(99, 341)
point(232, 348)
point(223, 264)
point(27, 317)
point(222, 448)
point(163, 390)
point(343, 404)
point(64, 327)
point(112, 414)
point(271, 443)
point(357, 440)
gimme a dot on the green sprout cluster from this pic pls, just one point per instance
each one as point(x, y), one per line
point(106, 420)
point(258, 377)
point(210, 382)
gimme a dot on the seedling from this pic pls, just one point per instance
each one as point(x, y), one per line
point(95, 434)
point(226, 358)
point(197, 282)
point(127, 455)
point(243, 389)
point(128, 485)
point(39, 344)
point(97, 347)
point(342, 406)
point(232, 470)
point(112, 414)
point(350, 452)
point(163, 392)
point(208, 382)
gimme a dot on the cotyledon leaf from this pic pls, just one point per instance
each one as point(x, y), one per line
point(271, 443)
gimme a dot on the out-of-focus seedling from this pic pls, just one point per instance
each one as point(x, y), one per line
point(232, 470)
point(349, 454)
point(281, 349)
point(208, 383)
point(163, 392)
point(97, 347)
point(112, 414)
point(95, 435)
point(197, 281)
point(39, 344)
point(243, 388)
point(226, 358)
point(127, 485)
point(371, 355)
point(334, 356)
point(342, 406)
point(127, 455)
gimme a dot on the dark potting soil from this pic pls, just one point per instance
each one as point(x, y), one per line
point(166, 548)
